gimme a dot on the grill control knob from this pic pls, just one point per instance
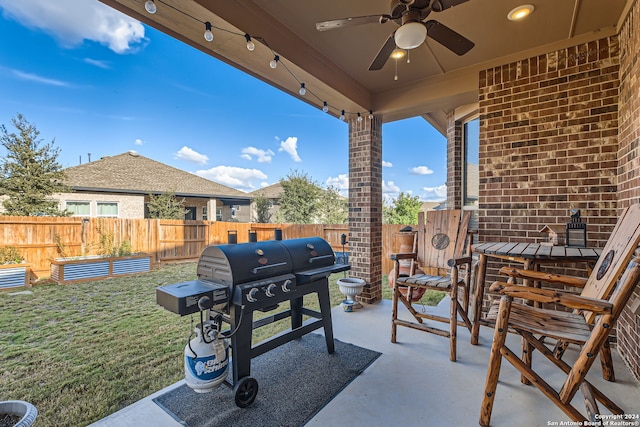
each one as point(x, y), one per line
point(272, 287)
point(253, 293)
point(285, 286)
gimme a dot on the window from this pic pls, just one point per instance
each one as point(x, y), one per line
point(79, 208)
point(204, 213)
point(108, 209)
point(218, 214)
point(471, 179)
point(190, 212)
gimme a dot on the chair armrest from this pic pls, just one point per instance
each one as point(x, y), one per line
point(459, 261)
point(403, 255)
point(550, 296)
point(538, 276)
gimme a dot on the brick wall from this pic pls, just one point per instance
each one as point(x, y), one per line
point(557, 132)
point(455, 150)
point(365, 205)
point(548, 142)
point(629, 161)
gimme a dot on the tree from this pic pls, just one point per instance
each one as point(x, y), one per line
point(299, 200)
point(332, 207)
point(165, 206)
point(263, 207)
point(30, 172)
point(404, 210)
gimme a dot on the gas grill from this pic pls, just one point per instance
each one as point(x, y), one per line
point(235, 280)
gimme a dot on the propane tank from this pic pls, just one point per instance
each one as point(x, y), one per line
point(206, 358)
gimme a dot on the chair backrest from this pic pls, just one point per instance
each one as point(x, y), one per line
point(614, 259)
point(441, 237)
point(404, 243)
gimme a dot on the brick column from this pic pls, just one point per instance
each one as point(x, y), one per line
point(365, 205)
point(455, 151)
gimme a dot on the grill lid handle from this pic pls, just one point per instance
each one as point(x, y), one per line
point(256, 270)
point(319, 258)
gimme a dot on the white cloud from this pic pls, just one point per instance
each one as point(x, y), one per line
point(390, 187)
point(290, 145)
point(39, 79)
point(97, 63)
point(389, 192)
point(192, 156)
point(73, 21)
point(239, 178)
point(386, 164)
point(340, 182)
point(262, 155)
point(434, 194)
point(138, 141)
point(421, 170)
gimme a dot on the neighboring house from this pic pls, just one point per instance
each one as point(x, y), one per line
point(432, 206)
point(273, 193)
point(119, 186)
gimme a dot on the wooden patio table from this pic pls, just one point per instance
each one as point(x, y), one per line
point(532, 255)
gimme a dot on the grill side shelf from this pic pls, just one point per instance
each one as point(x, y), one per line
point(319, 273)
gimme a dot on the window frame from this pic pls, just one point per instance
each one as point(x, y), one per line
point(104, 202)
point(465, 170)
point(83, 202)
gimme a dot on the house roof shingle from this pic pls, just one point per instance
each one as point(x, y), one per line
point(273, 191)
point(132, 173)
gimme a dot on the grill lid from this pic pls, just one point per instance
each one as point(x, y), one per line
point(312, 258)
point(309, 253)
point(309, 258)
point(245, 262)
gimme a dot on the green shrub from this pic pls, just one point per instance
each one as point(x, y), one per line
point(10, 255)
point(125, 248)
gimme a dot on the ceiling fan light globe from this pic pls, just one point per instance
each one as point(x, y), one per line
point(410, 35)
point(150, 7)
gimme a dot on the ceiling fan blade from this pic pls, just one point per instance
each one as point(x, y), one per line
point(448, 38)
point(383, 54)
point(440, 5)
point(348, 22)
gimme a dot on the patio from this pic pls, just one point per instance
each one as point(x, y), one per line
point(414, 383)
point(554, 98)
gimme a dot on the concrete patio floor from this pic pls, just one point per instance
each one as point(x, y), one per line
point(413, 383)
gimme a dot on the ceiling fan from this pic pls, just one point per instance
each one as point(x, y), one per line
point(412, 16)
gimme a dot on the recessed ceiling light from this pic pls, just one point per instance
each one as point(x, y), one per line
point(520, 12)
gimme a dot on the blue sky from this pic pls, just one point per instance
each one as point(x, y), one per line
point(102, 83)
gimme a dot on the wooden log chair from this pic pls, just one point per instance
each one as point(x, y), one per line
point(596, 310)
point(561, 346)
point(441, 246)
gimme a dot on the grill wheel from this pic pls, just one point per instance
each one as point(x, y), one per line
point(245, 390)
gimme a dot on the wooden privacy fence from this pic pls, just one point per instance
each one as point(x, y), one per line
point(40, 239)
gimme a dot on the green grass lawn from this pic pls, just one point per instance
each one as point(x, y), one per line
point(80, 352)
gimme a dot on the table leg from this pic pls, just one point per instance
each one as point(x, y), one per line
point(479, 296)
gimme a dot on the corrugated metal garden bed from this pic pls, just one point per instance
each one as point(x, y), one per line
point(73, 270)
